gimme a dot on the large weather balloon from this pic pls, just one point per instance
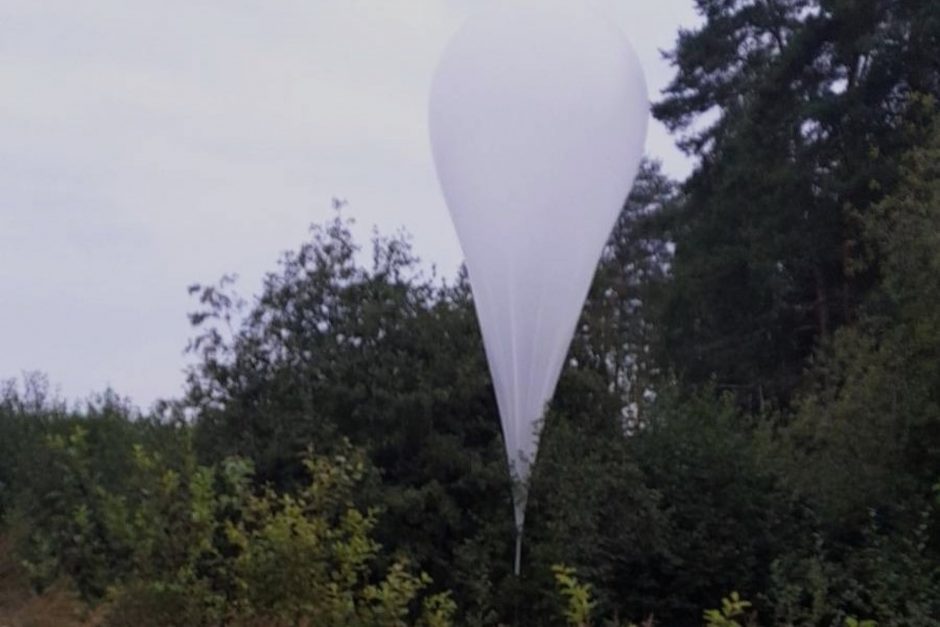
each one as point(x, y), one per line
point(538, 117)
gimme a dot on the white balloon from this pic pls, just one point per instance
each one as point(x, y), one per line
point(538, 116)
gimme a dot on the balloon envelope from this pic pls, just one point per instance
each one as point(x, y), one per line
point(538, 116)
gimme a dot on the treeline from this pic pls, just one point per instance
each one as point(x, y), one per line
point(751, 402)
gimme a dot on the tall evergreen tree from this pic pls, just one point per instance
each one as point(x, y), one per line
point(618, 329)
point(798, 111)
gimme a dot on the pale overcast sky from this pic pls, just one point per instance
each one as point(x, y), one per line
point(145, 146)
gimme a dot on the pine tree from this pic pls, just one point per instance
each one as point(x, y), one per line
point(798, 111)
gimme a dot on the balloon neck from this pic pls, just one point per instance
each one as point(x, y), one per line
point(518, 566)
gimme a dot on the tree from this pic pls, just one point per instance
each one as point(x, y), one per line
point(382, 356)
point(394, 362)
point(170, 542)
point(864, 443)
point(618, 328)
point(871, 411)
point(813, 103)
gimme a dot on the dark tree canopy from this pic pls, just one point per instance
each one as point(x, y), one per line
point(798, 111)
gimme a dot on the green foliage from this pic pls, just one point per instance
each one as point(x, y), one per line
point(726, 511)
point(733, 607)
point(184, 544)
point(380, 355)
point(800, 111)
point(612, 342)
point(577, 596)
point(393, 361)
point(589, 507)
point(863, 443)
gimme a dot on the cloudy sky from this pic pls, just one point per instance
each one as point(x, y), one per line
point(145, 146)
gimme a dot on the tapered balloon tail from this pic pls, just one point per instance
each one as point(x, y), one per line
point(537, 116)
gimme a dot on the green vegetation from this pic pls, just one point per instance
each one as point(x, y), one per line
point(174, 543)
point(749, 416)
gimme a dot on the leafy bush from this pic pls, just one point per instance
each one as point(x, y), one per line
point(177, 543)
